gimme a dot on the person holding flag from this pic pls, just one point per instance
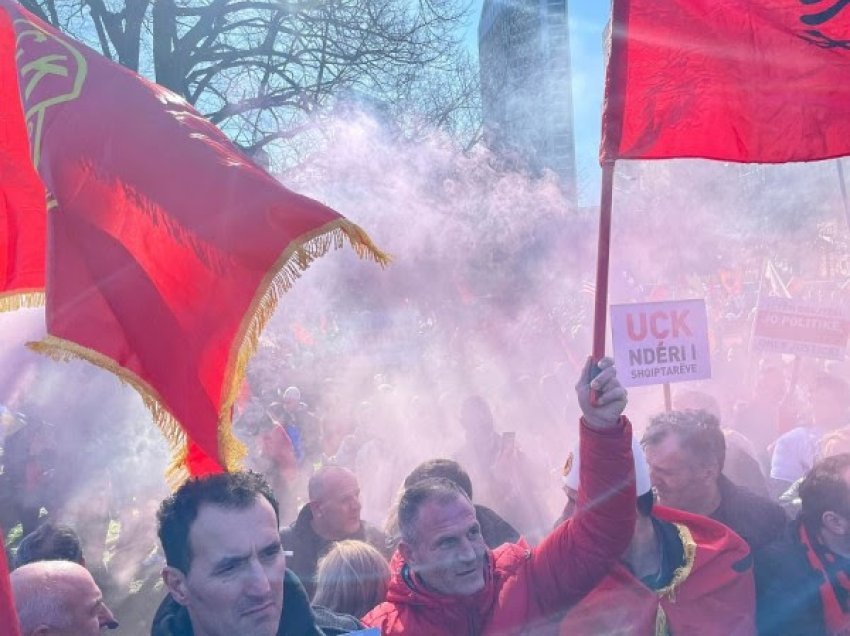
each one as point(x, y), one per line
point(447, 582)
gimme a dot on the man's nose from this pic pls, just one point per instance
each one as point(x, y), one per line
point(467, 552)
point(258, 580)
point(106, 618)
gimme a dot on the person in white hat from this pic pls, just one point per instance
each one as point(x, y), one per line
point(681, 574)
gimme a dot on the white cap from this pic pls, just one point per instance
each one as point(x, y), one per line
point(572, 468)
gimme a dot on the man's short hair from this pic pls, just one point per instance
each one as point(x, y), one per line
point(414, 498)
point(444, 468)
point(823, 489)
point(49, 542)
point(238, 490)
point(697, 431)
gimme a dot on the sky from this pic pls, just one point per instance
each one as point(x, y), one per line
point(587, 23)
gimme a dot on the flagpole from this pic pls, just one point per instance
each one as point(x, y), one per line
point(603, 250)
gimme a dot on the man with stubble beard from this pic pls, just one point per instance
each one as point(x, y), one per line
point(225, 566)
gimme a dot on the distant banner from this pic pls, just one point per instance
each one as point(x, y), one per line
point(656, 343)
point(783, 325)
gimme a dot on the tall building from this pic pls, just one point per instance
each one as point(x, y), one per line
point(524, 57)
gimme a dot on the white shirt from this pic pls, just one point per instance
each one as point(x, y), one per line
point(794, 453)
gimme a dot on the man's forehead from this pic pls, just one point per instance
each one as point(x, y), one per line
point(439, 516)
point(669, 449)
point(219, 530)
point(339, 481)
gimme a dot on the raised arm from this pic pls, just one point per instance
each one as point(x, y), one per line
point(580, 551)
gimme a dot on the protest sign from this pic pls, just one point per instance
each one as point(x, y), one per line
point(784, 325)
point(657, 343)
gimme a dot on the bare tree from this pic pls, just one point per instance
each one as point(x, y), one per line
point(265, 71)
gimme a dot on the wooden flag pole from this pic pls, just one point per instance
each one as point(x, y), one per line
point(600, 310)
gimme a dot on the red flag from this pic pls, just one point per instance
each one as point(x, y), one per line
point(23, 214)
point(167, 249)
point(8, 617)
point(738, 80)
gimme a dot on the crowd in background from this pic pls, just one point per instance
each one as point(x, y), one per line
point(755, 492)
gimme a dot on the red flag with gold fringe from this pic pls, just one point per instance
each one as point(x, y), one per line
point(167, 249)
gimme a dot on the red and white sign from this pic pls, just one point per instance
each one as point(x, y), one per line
point(783, 325)
point(657, 343)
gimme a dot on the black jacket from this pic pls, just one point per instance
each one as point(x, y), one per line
point(307, 547)
point(297, 619)
point(757, 520)
point(494, 530)
point(788, 599)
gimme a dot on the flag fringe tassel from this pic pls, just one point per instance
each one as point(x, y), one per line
point(64, 351)
point(288, 268)
point(12, 301)
point(295, 259)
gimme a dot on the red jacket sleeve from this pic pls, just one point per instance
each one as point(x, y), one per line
point(580, 551)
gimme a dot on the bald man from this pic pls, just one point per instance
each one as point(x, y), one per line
point(332, 514)
point(59, 597)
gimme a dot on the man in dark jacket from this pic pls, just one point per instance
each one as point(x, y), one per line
point(225, 564)
point(803, 578)
point(332, 514)
point(686, 451)
point(172, 619)
point(446, 582)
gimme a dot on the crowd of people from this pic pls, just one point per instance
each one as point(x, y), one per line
point(687, 527)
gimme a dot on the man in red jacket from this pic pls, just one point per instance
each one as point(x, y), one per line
point(446, 581)
point(681, 574)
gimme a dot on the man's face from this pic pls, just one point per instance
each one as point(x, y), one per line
point(449, 551)
point(337, 513)
point(235, 581)
point(680, 481)
point(87, 613)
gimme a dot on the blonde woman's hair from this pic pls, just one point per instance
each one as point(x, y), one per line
point(352, 578)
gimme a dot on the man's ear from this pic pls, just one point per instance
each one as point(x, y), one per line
point(710, 471)
point(834, 522)
point(175, 581)
point(315, 508)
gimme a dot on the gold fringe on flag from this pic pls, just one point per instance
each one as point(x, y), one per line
point(12, 301)
point(288, 268)
point(64, 350)
point(296, 258)
point(683, 571)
